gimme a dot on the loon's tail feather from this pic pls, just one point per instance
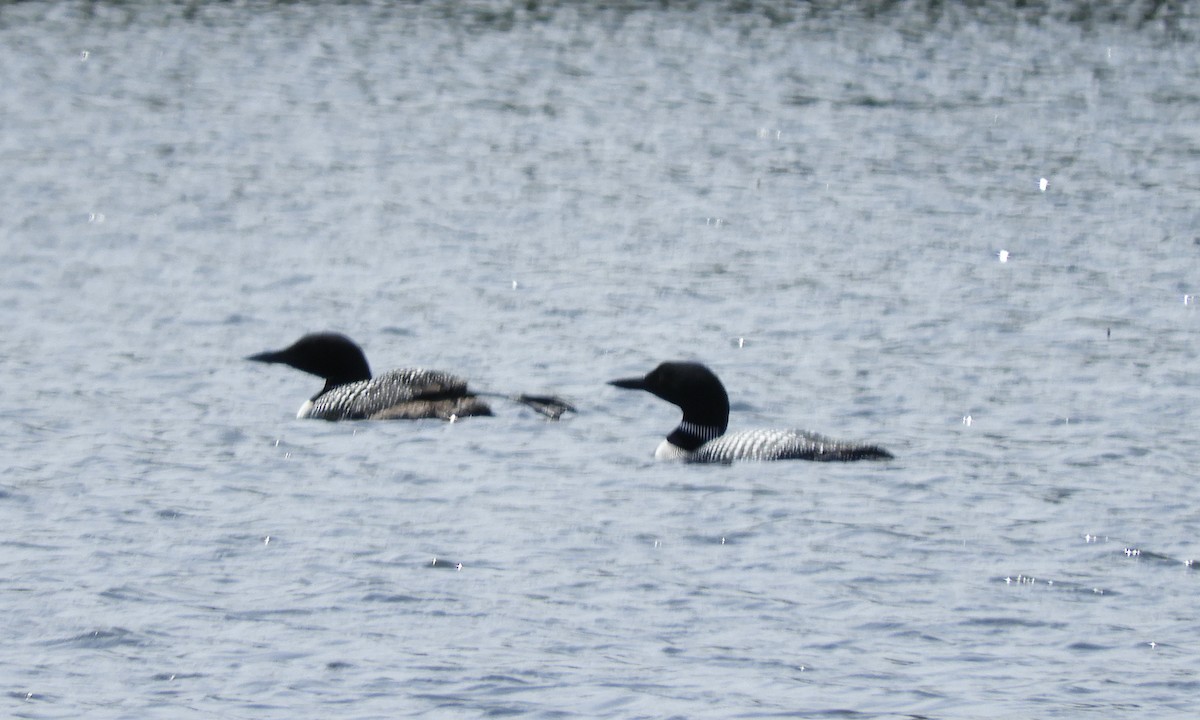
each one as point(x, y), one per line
point(551, 406)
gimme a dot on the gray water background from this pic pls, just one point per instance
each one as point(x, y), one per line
point(811, 199)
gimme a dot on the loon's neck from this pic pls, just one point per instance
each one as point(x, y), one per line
point(330, 384)
point(689, 436)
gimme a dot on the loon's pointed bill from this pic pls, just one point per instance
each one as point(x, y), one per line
point(701, 437)
point(351, 393)
point(630, 383)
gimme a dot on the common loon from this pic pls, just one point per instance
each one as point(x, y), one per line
point(701, 436)
point(350, 393)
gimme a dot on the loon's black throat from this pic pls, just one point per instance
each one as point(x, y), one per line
point(689, 436)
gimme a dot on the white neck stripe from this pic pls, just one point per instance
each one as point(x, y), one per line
point(704, 432)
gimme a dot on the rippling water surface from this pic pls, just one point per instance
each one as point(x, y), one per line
point(841, 210)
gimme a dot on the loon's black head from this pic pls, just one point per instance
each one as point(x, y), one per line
point(691, 386)
point(332, 356)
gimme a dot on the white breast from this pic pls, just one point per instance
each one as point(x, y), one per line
point(667, 451)
point(305, 410)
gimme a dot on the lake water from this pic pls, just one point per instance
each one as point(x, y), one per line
point(841, 210)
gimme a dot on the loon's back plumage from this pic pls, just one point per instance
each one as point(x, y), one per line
point(350, 393)
point(408, 394)
point(700, 436)
point(783, 445)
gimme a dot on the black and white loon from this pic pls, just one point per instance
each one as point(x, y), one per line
point(701, 436)
point(350, 393)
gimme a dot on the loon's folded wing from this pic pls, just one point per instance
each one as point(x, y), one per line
point(784, 445)
point(400, 394)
